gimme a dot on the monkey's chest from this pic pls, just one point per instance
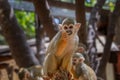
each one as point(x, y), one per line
point(70, 48)
point(66, 49)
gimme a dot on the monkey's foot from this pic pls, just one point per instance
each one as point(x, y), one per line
point(62, 74)
point(46, 78)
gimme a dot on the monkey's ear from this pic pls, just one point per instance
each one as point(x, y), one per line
point(60, 26)
point(78, 25)
point(83, 59)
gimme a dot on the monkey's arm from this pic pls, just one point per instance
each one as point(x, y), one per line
point(61, 46)
point(50, 64)
point(58, 44)
point(53, 43)
point(76, 42)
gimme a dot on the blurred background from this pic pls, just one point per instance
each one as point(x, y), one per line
point(27, 26)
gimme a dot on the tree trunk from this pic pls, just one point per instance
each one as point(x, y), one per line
point(109, 39)
point(15, 37)
point(92, 32)
point(117, 32)
point(42, 9)
point(80, 17)
point(40, 43)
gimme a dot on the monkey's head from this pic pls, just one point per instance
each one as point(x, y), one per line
point(69, 26)
point(81, 48)
point(77, 58)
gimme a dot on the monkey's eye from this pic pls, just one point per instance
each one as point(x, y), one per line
point(70, 27)
point(80, 60)
point(80, 49)
point(74, 59)
point(65, 27)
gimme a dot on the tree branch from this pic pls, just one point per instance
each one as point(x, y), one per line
point(15, 37)
point(42, 10)
point(109, 39)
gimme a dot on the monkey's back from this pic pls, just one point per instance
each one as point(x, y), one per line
point(89, 74)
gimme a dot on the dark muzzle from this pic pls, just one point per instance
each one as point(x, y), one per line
point(69, 32)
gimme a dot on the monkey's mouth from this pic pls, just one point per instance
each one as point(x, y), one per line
point(73, 63)
point(69, 32)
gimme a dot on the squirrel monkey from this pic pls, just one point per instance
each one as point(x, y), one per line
point(82, 49)
point(62, 46)
point(80, 70)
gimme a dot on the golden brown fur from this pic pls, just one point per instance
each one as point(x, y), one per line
point(80, 70)
point(60, 49)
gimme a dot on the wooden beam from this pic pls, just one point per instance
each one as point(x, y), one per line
point(60, 4)
point(55, 11)
point(28, 6)
point(5, 57)
point(5, 50)
point(22, 5)
point(71, 6)
point(3, 65)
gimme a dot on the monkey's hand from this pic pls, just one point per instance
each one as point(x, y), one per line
point(64, 36)
point(62, 44)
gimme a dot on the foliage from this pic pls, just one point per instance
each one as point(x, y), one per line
point(70, 1)
point(108, 5)
point(90, 3)
point(27, 22)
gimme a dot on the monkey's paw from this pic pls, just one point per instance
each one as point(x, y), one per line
point(64, 36)
point(62, 74)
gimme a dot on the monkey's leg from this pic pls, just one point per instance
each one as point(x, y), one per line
point(50, 64)
point(67, 62)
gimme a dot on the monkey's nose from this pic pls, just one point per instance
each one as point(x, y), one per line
point(73, 63)
point(69, 32)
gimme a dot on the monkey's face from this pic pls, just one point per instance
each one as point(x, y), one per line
point(77, 58)
point(81, 50)
point(70, 29)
